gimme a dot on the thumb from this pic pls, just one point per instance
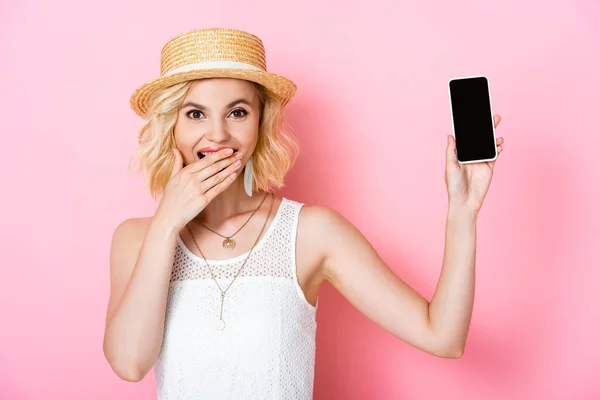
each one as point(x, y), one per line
point(178, 166)
point(451, 158)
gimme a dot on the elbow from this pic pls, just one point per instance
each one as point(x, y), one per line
point(444, 346)
point(455, 353)
point(127, 370)
point(449, 352)
point(128, 373)
point(447, 348)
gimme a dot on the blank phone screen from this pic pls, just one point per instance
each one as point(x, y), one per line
point(472, 119)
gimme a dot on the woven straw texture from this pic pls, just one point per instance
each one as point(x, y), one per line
point(212, 44)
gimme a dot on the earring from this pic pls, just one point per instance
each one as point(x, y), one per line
point(248, 177)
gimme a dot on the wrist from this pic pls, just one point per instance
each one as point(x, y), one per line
point(461, 212)
point(164, 225)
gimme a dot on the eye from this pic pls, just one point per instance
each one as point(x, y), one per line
point(239, 113)
point(194, 114)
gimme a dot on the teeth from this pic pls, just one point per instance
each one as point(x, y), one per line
point(205, 153)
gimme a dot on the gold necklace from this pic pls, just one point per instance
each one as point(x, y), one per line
point(221, 323)
point(229, 243)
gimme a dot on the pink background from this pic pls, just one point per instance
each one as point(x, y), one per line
point(372, 115)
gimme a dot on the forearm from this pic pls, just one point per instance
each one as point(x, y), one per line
point(135, 330)
point(451, 307)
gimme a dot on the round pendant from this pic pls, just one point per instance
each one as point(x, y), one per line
point(228, 243)
point(220, 325)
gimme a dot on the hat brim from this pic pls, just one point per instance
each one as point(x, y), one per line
point(282, 88)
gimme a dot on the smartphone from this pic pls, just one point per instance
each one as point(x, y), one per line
point(472, 119)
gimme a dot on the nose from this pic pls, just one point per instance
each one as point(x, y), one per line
point(218, 131)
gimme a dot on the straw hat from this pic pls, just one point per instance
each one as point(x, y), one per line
point(212, 53)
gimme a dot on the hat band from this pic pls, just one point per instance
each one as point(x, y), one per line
point(213, 65)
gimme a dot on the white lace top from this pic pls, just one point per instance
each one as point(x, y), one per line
point(267, 349)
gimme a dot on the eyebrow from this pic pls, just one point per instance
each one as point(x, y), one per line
point(201, 107)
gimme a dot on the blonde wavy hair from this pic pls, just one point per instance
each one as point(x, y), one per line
point(275, 153)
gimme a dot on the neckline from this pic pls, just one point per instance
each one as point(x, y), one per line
point(240, 257)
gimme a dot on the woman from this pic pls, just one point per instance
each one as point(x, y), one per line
point(218, 290)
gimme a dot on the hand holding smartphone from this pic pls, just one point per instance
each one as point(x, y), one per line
point(472, 119)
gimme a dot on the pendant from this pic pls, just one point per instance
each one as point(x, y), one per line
point(221, 323)
point(228, 243)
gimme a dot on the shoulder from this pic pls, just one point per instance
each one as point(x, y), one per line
point(314, 217)
point(336, 240)
point(127, 241)
point(133, 226)
point(130, 232)
point(320, 219)
point(322, 226)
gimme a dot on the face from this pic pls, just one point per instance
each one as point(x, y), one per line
point(218, 112)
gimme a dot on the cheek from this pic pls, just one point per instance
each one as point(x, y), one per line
point(183, 135)
point(246, 132)
point(182, 139)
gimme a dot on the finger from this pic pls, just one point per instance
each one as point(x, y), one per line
point(221, 181)
point(178, 166)
point(224, 172)
point(496, 120)
point(215, 168)
point(451, 158)
point(499, 141)
point(208, 160)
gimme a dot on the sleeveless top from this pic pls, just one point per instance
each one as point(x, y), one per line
point(267, 348)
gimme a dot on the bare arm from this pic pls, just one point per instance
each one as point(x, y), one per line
point(355, 269)
point(451, 306)
point(141, 260)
